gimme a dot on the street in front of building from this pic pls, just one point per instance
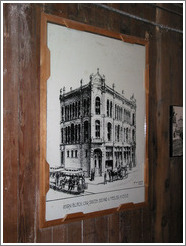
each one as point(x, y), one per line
point(98, 185)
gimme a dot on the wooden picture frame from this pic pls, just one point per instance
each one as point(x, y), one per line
point(176, 131)
point(45, 169)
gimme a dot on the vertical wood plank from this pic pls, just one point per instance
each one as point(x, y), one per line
point(75, 232)
point(131, 226)
point(60, 234)
point(125, 227)
point(137, 226)
point(162, 169)
point(113, 231)
point(28, 123)
point(176, 163)
point(10, 122)
point(176, 205)
point(44, 235)
point(146, 225)
point(89, 231)
point(101, 232)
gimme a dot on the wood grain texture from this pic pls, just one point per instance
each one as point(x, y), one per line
point(113, 228)
point(176, 163)
point(45, 235)
point(101, 231)
point(75, 232)
point(28, 118)
point(89, 230)
point(60, 234)
point(162, 220)
point(10, 123)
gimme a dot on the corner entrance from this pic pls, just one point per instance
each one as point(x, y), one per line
point(98, 162)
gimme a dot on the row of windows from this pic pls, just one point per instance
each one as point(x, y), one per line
point(72, 111)
point(118, 155)
point(119, 112)
point(74, 153)
point(72, 133)
point(124, 134)
point(120, 133)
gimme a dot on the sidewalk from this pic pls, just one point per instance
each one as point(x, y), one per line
point(100, 179)
point(96, 181)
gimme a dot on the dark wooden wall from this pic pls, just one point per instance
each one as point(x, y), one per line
point(161, 221)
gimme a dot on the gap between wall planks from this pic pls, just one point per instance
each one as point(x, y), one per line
point(44, 75)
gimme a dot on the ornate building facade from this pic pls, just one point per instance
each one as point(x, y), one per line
point(98, 127)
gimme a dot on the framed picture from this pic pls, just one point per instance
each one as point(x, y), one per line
point(93, 121)
point(176, 131)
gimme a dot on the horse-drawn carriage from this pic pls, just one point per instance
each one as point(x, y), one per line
point(117, 173)
point(68, 180)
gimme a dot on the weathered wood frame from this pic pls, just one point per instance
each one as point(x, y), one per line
point(44, 75)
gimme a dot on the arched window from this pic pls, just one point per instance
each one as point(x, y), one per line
point(79, 133)
point(109, 131)
point(61, 135)
point(62, 112)
point(85, 131)
point(73, 110)
point(68, 135)
point(97, 105)
point(133, 119)
point(133, 135)
point(108, 108)
point(76, 133)
point(62, 158)
point(84, 106)
point(65, 113)
point(70, 111)
point(88, 106)
point(97, 129)
point(78, 109)
point(127, 135)
point(124, 134)
point(118, 133)
point(72, 133)
point(116, 129)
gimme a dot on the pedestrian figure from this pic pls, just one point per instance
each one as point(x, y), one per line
point(93, 174)
point(105, 177)
point(57, 178)
point(70, 184)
